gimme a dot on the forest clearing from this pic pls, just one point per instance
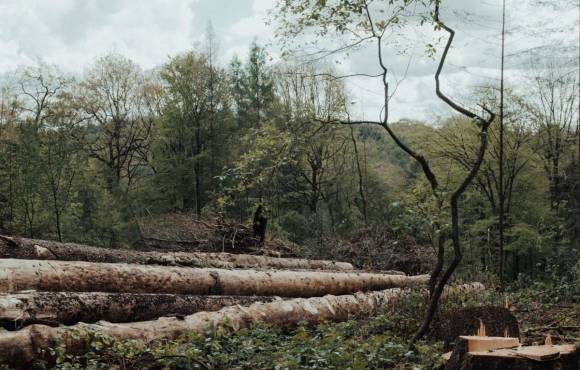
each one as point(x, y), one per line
point(290, 184)
point(77, 313)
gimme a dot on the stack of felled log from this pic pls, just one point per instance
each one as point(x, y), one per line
point(50, 290)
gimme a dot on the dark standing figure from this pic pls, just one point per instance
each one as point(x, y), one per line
point(260, 223)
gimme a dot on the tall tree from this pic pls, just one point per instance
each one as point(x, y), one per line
point(120, 120)
point(39, 88)
point(10, 109)
point(554, 102)
point(253, 87)
point(60, 158)
point(195, 102)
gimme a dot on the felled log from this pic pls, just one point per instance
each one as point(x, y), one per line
point(54, 308)
point(23, 346)
point(23, 248)
point(523, 358)
point(62, 276)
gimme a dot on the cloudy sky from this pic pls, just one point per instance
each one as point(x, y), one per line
point(72, 33)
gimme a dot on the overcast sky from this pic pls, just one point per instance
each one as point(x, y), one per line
point(72, 33)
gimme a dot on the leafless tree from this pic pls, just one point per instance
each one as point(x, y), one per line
point(554, 99)
point(119, 117)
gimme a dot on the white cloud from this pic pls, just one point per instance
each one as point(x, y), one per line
point(72, 33)
point(246, 29)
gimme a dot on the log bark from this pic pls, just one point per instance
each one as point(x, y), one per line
point(54, 308)
point(23, 346)
point(23, 248)
point(61, 276)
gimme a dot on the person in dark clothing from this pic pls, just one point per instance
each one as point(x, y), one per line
point(260, 222)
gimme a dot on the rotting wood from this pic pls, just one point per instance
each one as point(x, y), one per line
point(61, 276)
point(53, 308)
point(23, 346)
point(23, 248)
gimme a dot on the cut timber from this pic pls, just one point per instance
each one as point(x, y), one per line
point(23, 346)
point(59, 276)
point(539, 353)
point(451, 324)
point(568, 358)
point(18, 310)
point(482, 343)
point(22, 248)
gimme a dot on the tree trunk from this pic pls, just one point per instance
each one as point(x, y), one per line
point(23, 346)
point(53, 308)
point(59, 276)
point(22, 248)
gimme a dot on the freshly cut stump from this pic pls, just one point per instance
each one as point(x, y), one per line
point(508, 359)
point(20, 348)
point(477, 343)
point(54, 308)
point(498, 322)
point(60, 276)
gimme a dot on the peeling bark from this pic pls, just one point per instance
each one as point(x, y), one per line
point(23, 346)
point(60, 276)
point(23, 248)
point(54, 308)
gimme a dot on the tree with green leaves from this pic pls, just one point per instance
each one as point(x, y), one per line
point(196, 117)
point(372, 22)
point(253, 87)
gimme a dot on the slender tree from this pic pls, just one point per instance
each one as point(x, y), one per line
point(358, 19)
point(501, 155)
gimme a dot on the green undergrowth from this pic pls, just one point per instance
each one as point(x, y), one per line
point(363, 343)
point(351, 344)
point(379, 342)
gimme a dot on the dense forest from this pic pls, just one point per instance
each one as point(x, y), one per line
point(91, 158)
point(85, 158)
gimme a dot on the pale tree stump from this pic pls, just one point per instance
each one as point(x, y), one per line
point(568, 358)
point(466, 321)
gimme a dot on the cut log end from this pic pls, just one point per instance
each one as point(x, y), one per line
point(562, 357)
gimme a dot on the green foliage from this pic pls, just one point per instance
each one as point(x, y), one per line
point(194, 125)
point(120, 144)
point(379, 342)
